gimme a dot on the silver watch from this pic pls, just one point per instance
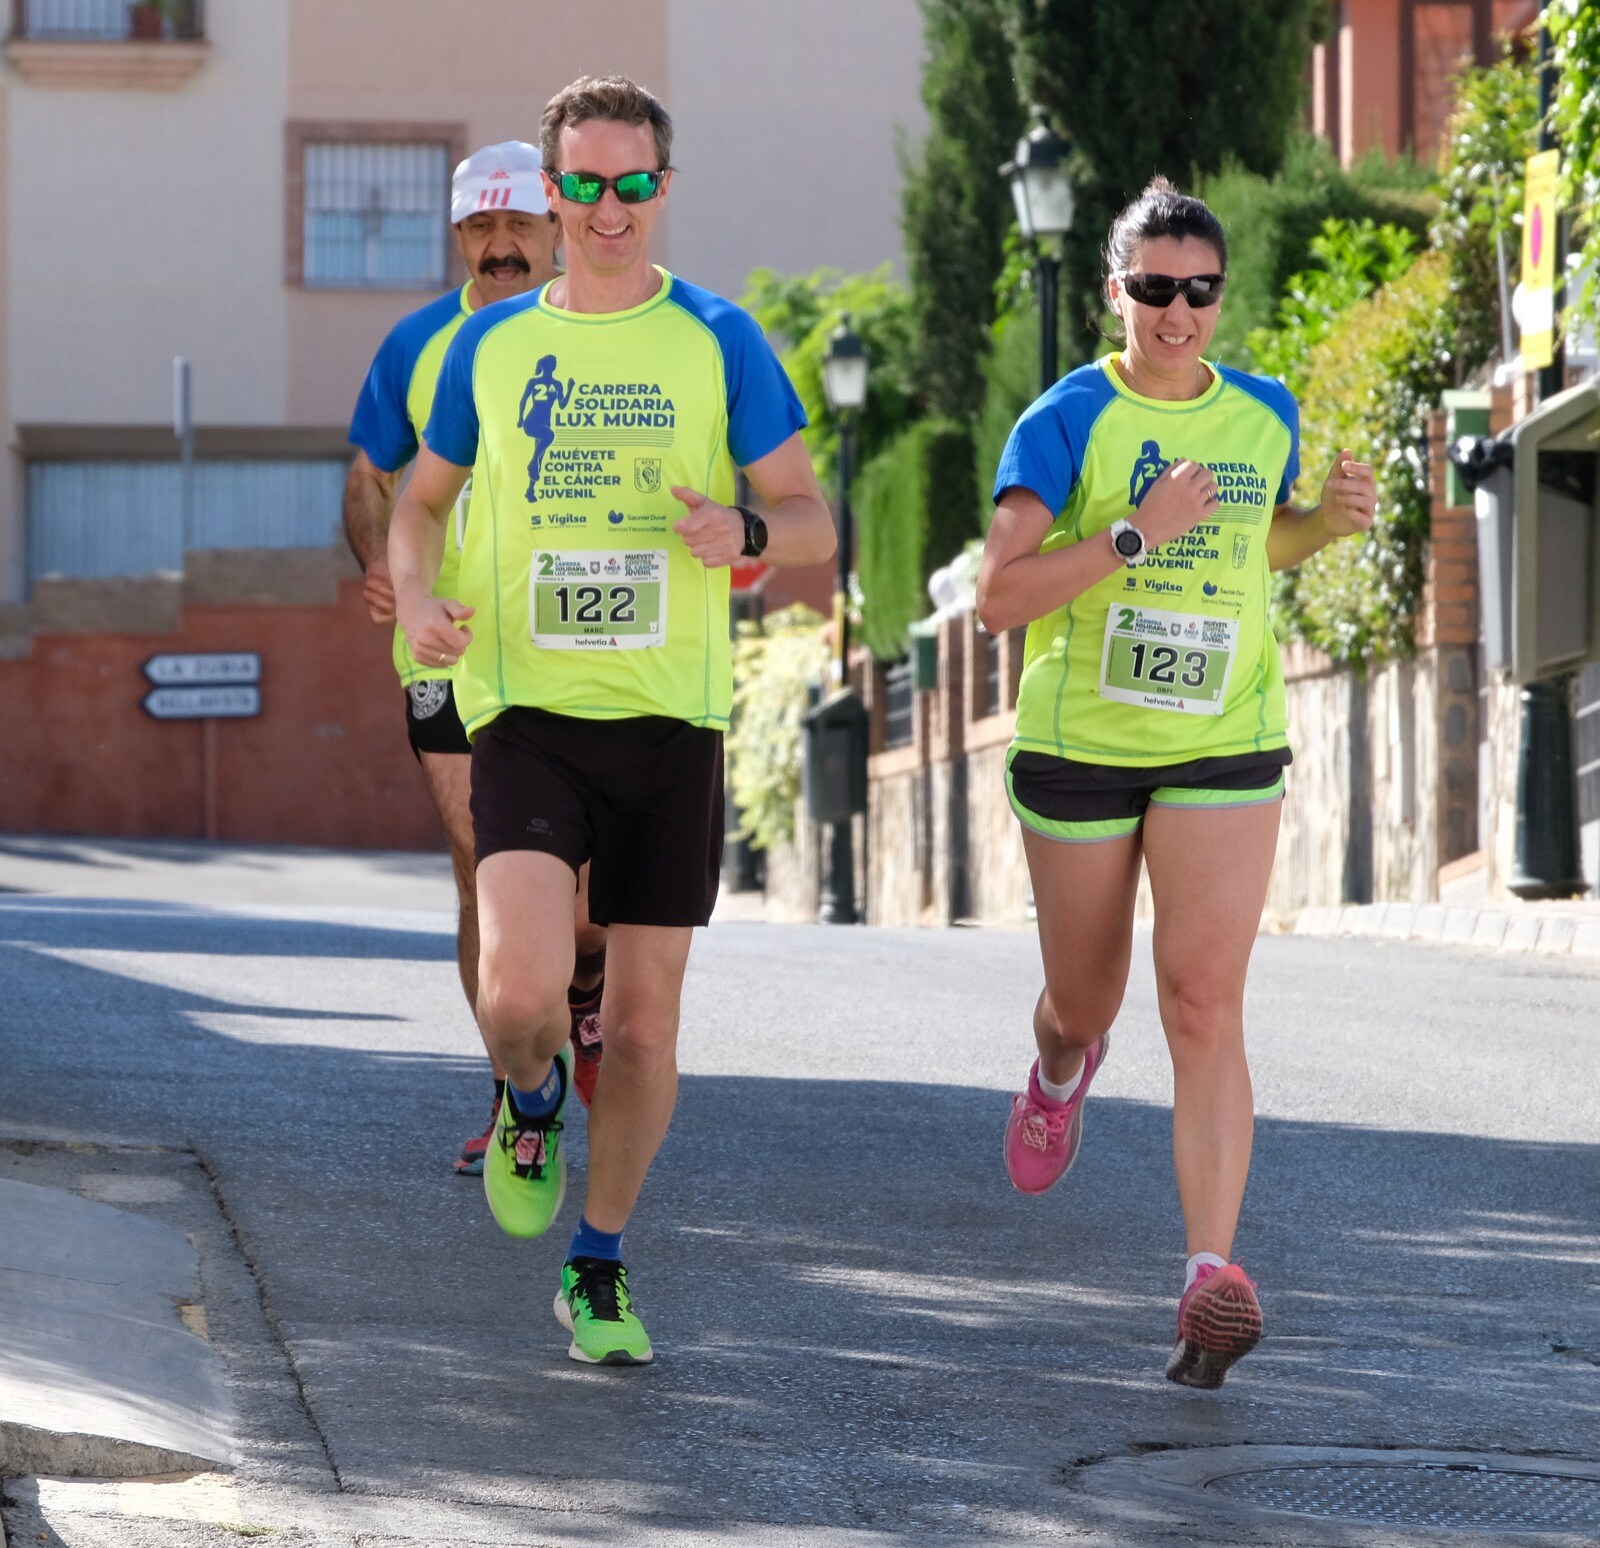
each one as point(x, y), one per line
point(1129, 543)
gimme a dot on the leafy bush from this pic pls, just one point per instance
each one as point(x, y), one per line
point(1355, 260)
point(1271, 223)
point(1575, 115)
point(773, 665)
point(802, 312)
point(1492, 132)
point(1371, 384)
point(915, 512)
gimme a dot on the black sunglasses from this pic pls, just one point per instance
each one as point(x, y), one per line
point(1199, 290)
point(590, 187)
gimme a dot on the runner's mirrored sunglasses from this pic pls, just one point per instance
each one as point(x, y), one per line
point(1199, 290)
point(590, 187)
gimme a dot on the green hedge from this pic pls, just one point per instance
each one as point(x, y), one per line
point(915, 511)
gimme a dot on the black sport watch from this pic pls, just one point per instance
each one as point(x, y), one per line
point(755, 533)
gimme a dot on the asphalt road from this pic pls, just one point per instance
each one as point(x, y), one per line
point(863, 1333)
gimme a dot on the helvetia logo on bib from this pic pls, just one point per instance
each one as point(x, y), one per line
point(1148, 466)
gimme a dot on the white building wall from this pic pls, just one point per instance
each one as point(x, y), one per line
point(148, 224)
point(787, 118)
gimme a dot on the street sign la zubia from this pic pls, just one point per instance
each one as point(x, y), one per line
point(204, 685)
point(212, 666)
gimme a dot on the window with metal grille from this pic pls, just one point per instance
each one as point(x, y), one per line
point(88, 519)
point(899, 705)
point(376, 215)
point(104, 21)
point(993, 694)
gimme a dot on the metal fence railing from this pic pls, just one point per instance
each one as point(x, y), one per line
point(993, 694)
point(900, 705)
point(1587, 706)
point(106, 21)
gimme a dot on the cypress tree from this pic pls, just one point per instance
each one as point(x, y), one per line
point(955, 206)
point(1163, 86)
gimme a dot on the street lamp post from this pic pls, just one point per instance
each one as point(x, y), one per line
point(1042, 193)
point(844, 383)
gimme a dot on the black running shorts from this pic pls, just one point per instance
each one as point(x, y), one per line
point(431, 719)
point(1086, 803)
point(639, 799)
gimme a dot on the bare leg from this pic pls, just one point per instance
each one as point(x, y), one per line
point(638, 1086)
point(525, 966)
point(449, 777)
point(1085, 895)
point(1209, 869)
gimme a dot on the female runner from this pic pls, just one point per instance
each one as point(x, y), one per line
point(1141, 504)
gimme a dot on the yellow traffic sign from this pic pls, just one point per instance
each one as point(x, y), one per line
point(1539, 216)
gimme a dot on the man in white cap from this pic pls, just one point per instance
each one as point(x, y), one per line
point(507, 237)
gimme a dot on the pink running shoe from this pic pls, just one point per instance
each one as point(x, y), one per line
point(1219, 1321)
point(1042, 1137)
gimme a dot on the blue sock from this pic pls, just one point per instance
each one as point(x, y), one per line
point(590, 1243)
point(542, 1102)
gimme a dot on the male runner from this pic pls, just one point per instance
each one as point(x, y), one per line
point(596, 677)
point(507, 236)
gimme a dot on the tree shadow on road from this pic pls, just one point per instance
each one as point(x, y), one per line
point(859, 1322)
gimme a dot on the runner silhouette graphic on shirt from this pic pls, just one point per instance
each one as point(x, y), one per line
point(540, 399)
point(1147, 468)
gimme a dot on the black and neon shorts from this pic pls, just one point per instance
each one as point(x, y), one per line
point(1084, 803)
point(432, 724)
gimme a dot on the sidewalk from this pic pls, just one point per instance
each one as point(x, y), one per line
point(1546, 929)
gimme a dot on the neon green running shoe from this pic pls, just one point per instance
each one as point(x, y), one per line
point(524, 1170)
point(593, 1304)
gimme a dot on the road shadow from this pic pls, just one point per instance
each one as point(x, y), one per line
point(860, 1323)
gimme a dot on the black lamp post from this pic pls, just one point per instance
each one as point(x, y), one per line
point(844, 383)
point(1042, 193)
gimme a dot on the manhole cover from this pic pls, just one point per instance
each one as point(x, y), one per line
point(1421, 1494)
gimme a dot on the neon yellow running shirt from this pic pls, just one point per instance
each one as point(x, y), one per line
point(393, 408)
point(1175, 658)
point(576, 426)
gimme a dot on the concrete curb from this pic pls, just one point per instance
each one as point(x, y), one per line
point(1570, 930)
point(100, 1374)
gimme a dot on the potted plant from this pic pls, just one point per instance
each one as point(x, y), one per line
point(147, 19)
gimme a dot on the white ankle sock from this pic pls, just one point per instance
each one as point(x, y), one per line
point(1063, 1092)
point(1196, 1261)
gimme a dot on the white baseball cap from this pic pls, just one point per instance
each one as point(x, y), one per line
point(498, 177)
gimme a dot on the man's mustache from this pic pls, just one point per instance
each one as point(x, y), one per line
point(505, 261)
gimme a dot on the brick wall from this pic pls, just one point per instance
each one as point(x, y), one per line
point(326, 762)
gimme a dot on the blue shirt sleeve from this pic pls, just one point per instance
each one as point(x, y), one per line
point(380, 425)
point(452, 430)
point(1272, 394)
point(763, 408)
point(1291, 468)
point(1045, 451)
